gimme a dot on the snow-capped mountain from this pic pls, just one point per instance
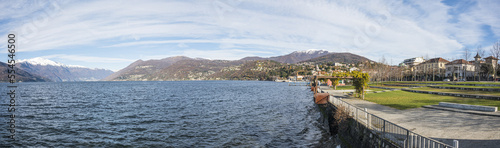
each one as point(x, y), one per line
point(294, 57)
point(312, 51)
point(46, 62)
point(59, 72)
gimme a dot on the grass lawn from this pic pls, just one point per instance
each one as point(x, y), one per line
point(387, 86)
point(352, 87)
point(406, 100)
point(466, 86)
point(492, 93)
point(376, 89)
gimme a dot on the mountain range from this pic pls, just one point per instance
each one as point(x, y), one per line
point(340, 58)
point(177, 68)
point(251, 68)
point(294, 57)
point(20, 75)
point(47, 70)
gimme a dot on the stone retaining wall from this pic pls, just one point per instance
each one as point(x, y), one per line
point(353, 133)
point(427, 83)
point(404, 85)
point(385, 88)
point(467, 88)
point(457, 95)
point(469, 107)
point(476, 84)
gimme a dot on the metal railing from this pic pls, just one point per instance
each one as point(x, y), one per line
point(389, 131)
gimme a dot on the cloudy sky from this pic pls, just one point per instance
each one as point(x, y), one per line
point(112, 34)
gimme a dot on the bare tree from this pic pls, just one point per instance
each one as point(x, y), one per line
point(495, 52)
point(495, 49)
point(467, 54)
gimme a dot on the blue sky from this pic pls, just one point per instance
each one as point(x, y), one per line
point(112, 34)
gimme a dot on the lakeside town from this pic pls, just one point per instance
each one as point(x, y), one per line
point(421, 102)
point(480, 67)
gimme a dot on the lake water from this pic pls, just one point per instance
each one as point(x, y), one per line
point(164, 114)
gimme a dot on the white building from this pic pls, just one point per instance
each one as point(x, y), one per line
point(353, 69)
point(413, 61)
point(459, 69)
point(339, 64)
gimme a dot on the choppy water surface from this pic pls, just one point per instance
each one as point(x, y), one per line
point(159, 114)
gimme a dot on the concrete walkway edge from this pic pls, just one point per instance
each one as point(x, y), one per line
point(461, 111)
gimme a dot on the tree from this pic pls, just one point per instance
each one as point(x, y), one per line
point(335, 82)
point(360, 82)
point(467, 54)
point(485, 71)
point(495, 52)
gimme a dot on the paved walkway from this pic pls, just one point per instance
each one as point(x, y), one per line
point(471, 130)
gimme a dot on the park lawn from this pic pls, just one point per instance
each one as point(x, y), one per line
point(467, 86)
point(352, 87)
point(406, 100)
point(458, 91)
point(376, 89)
point(387, 86)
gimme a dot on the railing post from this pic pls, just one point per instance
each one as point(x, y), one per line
point(383, 133)
point(367, 118)
point(407, 138)
point(455, 143)
point(357, 120)
point(356, 115)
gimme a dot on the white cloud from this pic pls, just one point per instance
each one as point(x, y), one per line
point(90, 59)
point(223, 54)
point(240, 28)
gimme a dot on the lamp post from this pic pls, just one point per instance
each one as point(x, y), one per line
point(465, 72)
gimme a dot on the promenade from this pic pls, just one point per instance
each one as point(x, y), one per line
point(470, 129)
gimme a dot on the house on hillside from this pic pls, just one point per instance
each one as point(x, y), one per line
point(339, 64)
point(299, 78)
point(353, 69)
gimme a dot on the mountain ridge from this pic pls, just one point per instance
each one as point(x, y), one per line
point(294, 57)
point(248, 68)
point(21, 75)
point(59, 72)
point(186, 68)
point(341, 57)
